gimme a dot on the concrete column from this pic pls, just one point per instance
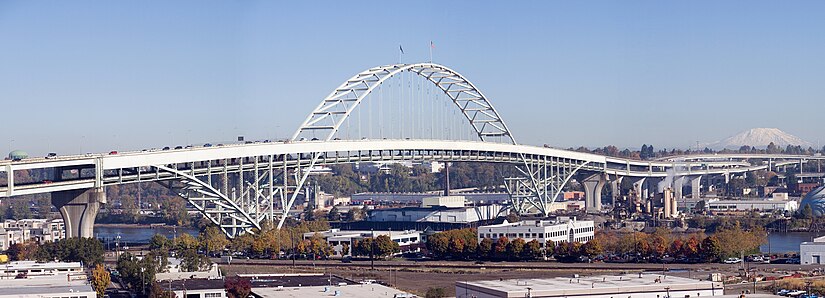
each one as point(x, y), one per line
point(638, 186)
point(79, 209)
point(695, 186)
point(615, 188)
point(593, 187)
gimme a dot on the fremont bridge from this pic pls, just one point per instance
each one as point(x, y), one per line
point(392, 113)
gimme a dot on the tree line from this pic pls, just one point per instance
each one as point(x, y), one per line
point(725, 242)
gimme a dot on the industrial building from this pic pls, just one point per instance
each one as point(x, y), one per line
point(408, 241)
point(562, 229)
point(600, 286)
point(811, 253)
point(748, 205)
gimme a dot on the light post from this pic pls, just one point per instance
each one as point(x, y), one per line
point(142, 281)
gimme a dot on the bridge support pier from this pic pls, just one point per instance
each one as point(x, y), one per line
point(79, 209)
point(695, 187)
point(615, 188)
point(593, 186)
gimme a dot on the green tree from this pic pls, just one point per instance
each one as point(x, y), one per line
point(334, 214)
point(212, 240)
point(356, 214)
point(192, 261)
point(435, 293)
point(185, 242)
point(159, 241)
point(532, 251)
point(158, 292)
point(710, 249)
point(485, 248)
point(100, 280)
point(515, 248)
point(385, 246)
point(500, 249)
point(137, 274)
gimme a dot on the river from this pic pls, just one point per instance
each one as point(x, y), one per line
point(786, 242)
point(133, 235)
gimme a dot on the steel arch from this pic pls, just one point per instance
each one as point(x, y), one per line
point(339, 104)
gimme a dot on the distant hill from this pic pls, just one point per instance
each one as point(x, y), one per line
point(760, 138)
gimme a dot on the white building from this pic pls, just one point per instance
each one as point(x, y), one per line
point(600, 286)
point(44, 280)
point(408, 241)
point(437, 214)
point(748, 205)
point(560, 230)
point(174, 272)
point(812, 252)
point(446, 201)
point(35, 269)
point(39, 230)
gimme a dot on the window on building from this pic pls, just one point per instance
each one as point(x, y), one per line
point(212, 295)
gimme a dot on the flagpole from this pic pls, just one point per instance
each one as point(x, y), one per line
point(431, 52)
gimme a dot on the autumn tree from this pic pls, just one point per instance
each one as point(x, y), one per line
point(100, 280)
point(237, 287)
point(438, 244)
point(500, 249)
point(592, 248)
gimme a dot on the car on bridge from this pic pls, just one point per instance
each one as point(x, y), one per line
point(51, 155)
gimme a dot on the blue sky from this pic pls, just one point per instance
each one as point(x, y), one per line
point(102, 75)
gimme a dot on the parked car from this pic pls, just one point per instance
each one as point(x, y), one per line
point(733, 261)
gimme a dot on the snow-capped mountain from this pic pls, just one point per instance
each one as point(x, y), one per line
point(760, 138)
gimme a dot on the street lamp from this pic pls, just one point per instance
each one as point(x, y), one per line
point(142, 280)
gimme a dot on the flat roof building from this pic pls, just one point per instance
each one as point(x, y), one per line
point(600, 286)
point(812, 252)
point(748, 205)
point(563, 229)
point(408, 241)
point(44, 280)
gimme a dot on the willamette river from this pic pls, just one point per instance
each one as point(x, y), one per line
point(778, 242)
point(137, 234)
point(787, 242)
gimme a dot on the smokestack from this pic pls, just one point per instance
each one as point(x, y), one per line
point(669, 202)
point(447, 179)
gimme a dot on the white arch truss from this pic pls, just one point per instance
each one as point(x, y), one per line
point(327, 118)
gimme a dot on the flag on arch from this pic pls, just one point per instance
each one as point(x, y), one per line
point(401, 48)
point(432, 45)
